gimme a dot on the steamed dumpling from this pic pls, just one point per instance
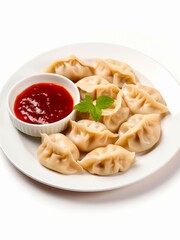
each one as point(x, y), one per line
point(88, 135)
point(140, 132)
point(91, 85)
point(71, 67)
point(58, 153)
point(115, 72)
point(143, 99)
point(114, 116)
point(155, 94)
point(107, 160)
point(96, 86)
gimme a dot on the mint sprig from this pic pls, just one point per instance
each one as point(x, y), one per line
point(95, 111)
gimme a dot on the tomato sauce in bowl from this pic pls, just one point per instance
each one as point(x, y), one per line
point(43, 103)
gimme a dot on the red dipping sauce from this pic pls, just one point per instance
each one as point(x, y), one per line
point(43, 103)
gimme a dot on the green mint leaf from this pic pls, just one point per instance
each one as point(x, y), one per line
point(82, 107)
point(95, 112)
point(85, 105)
point(88, 99)
point(104, 101)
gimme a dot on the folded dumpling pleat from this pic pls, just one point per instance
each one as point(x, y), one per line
point(107, 160)
point(115, 72)
point(140, 132)
point(58, 153)
point(96, 86)
point(143, 99)
point(88, 135)
point(71, 67)
point(114, 116)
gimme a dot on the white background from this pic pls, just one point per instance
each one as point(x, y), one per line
point(147, 210)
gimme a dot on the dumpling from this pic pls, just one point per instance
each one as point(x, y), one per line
point(155, 94)
point(114, 116)
point(143, 99)
point(107, 160)
point(140, 132)
point(97, 86)
point(71, 67)
point(58, 153)
point(90, 86)
point(88, 135)
point(115, 72)
point(91, 82)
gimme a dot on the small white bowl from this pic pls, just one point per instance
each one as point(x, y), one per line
point(36, 129)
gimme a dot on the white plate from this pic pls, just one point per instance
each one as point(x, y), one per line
point(21, 149)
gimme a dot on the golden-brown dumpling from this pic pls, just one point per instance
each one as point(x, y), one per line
point(107, 160)
point(115, 72)
point(143, 99)
point(140, 132)
point(58, 153)
point(71, 67)
point(88, 135)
